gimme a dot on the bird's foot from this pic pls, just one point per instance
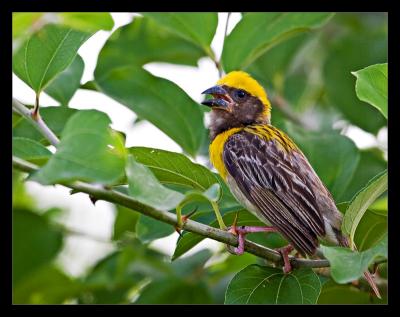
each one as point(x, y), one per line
point(182, 220)
point(241, 232)
point(284, 251)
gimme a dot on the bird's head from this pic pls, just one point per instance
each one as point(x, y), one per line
point(238, 100)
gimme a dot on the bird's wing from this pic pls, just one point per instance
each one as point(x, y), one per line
point(279, 185)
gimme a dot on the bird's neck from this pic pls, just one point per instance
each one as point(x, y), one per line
point(221, 121)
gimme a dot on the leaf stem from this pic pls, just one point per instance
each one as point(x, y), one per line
point(170, 218)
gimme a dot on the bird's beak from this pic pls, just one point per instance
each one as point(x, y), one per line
point(221, 99)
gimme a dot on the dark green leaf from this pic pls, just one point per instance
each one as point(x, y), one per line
point(333, 293)
point(197, 27)
point(174, 291)
point(265, 285)
point(273, 65)
point(149, 229)
point(88, 151)
point(144, 187)
point(48, 285)
point(46, 54)
point(146, 41)
point(191, 265)
point(371, 163)
point(125, 222)
point(35, 243)
point(55, 118)
point(347, 265)
point(334, 157)
point(159, 101)
point(356, 49)
point(112, 278)
point(87, 21)
point(257, 32)
point(30, 150)
point(67, 82)
point(372, 86)
point(361, 201)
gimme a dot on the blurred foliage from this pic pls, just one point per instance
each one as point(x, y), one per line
point(323, 67)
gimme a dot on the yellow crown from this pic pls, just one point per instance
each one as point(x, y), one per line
point(242, 80)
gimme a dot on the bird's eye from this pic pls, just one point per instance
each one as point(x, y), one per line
point(240, 94)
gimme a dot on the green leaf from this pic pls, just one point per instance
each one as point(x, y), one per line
point(361, 201)
point(144, 187)
point(191, 266)
point(274, 65)
point(46, 54)
point(159, 101)
point(372, 86)
point(265, 285)
point(87, 21)
point(347, 265)
point(48, 285)
point(125, 222)
point(372, 227)
point(334, 157)
point(174, 168)
point(55, 118)
point(354, 49)
point(64, 86)
point(257, 32)
point(112, 279)
point(149, 229)
point(89, 150)
point(171, 290)
point(146, 41)
point(371, 163)
point(22, 21)
point(197, 27)
point(35, 243)
point(333, 293)
point(30, 150)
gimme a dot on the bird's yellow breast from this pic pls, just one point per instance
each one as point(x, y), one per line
point(266, 132)
point(216, 149)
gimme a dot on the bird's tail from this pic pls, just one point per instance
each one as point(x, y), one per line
point(344, 241)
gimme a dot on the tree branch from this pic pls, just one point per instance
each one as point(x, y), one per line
point(35, 118)
point(170, 218)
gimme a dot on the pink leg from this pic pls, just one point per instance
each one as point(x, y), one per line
point(242, 231)
point(287, 268)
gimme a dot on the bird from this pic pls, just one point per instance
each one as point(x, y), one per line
point(267, 172)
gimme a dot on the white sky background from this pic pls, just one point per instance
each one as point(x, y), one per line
point(96, 222)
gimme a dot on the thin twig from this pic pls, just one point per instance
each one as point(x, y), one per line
point(170, 218)
point(35, 118)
